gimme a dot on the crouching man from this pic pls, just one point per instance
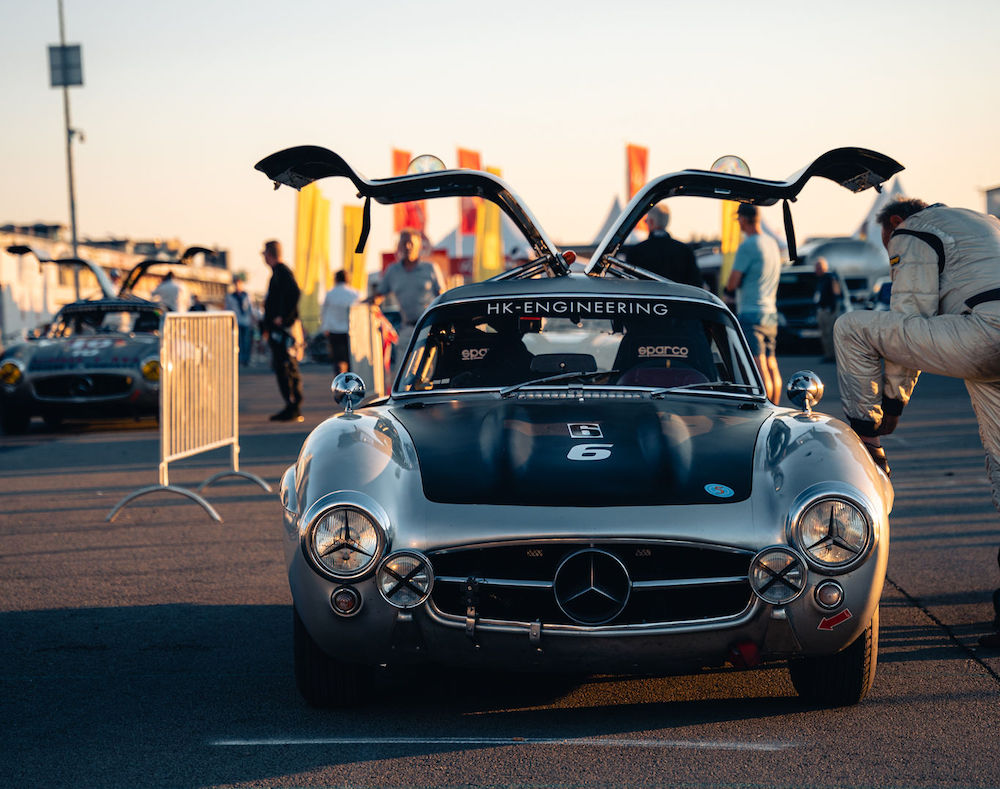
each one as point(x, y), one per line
point(944, 319)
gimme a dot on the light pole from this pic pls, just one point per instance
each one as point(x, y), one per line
point(65, 69)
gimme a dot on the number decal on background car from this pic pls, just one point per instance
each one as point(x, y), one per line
point(590, 452)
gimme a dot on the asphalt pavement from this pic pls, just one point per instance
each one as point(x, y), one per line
point(156, 650)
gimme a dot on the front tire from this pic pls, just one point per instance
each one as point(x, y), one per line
point(323, 681)
point(13, 420)
point(842, 679)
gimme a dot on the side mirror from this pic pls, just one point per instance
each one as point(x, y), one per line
point(348, 389)
point(805, 390)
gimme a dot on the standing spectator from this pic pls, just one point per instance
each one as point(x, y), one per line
point(238, 301)
point(944, 318)
point(169, 293)
point(754, 284)
point(828, 299)
point(336, 322)
point(414, 282)
point(662, 254)
point(197, 305)
point(281, 311)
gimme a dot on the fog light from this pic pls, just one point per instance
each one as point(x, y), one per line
point(405, 579)
point(777, 575)
point(829, 594)
point(345, 601)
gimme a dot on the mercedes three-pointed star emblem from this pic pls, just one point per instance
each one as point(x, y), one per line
point(592, 586)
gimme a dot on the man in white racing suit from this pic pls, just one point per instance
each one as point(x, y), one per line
point(944, 319)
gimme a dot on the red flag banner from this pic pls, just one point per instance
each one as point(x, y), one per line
point(411, 215)
point(468, 160)
point(637, 159)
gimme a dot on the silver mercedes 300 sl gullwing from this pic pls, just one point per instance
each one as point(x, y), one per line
point(579, 471)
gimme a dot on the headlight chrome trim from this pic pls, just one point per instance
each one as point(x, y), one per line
point(815, 496)
point(345, 500)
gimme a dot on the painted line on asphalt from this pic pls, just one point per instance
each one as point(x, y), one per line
point(574, 742)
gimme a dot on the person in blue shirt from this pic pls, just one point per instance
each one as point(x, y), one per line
point(753, 283)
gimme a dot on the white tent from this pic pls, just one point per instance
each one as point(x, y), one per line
point(510, 238)
point(870, 229)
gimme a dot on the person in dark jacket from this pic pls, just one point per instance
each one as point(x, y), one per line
point(281, 311)
point(662, 254)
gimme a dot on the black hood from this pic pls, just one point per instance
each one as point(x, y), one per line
point(565, 453)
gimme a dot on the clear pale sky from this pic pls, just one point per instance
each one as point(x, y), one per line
point(181, 98)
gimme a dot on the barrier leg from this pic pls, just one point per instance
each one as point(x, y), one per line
point(171, 489)
point(230, 473)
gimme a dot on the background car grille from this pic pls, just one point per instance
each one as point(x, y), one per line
point(60, 387)
point(671, 582)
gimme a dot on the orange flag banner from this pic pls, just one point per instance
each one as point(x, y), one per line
point(406, 215)
point(636, 162)
point(468, 206)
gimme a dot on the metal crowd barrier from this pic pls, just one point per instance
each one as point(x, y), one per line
point(199, 399)
point(367, 343)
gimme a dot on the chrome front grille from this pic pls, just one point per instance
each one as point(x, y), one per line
point(550, 581)
point(78, 385)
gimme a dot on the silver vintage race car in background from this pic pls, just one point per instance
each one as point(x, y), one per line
point(581, 472)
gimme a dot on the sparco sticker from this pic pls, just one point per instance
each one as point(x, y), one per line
point(720, 491)
point(584, 308)
point(663, 351)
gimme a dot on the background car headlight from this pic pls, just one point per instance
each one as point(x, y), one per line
point(833, 533)
point(10, 374)
point(345, 542)
point(777, 575)
point(151, 370)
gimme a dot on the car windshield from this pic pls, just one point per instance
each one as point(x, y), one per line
point(124, 320)
point(513, 343)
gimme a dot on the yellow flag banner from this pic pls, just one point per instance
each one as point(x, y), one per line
point(730, 241)
point(487, 260)
point(355, 267)
point(312, 252)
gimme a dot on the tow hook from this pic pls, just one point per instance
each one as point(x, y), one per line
point(745, 654)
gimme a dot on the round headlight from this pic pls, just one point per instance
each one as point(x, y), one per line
point(777, 575)
point(833, 533)
point(405, 579)
point(10, 374)
point(151, 370)
point(345, 542)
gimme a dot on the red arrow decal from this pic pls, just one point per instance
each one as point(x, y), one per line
point(830, 622)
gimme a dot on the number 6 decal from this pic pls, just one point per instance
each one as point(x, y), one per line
point(590, 452)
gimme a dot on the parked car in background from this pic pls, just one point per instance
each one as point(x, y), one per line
point(798, 328)
point(859, 262)
point(881, 295)
point(98, 358)
point(581, 472)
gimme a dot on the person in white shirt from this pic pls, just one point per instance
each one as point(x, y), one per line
point(336, 322)
point(169, 293)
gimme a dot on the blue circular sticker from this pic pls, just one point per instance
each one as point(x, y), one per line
point(721, 491)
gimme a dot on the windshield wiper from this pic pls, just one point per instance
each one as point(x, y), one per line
point(507, 390)
point(712, 385)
